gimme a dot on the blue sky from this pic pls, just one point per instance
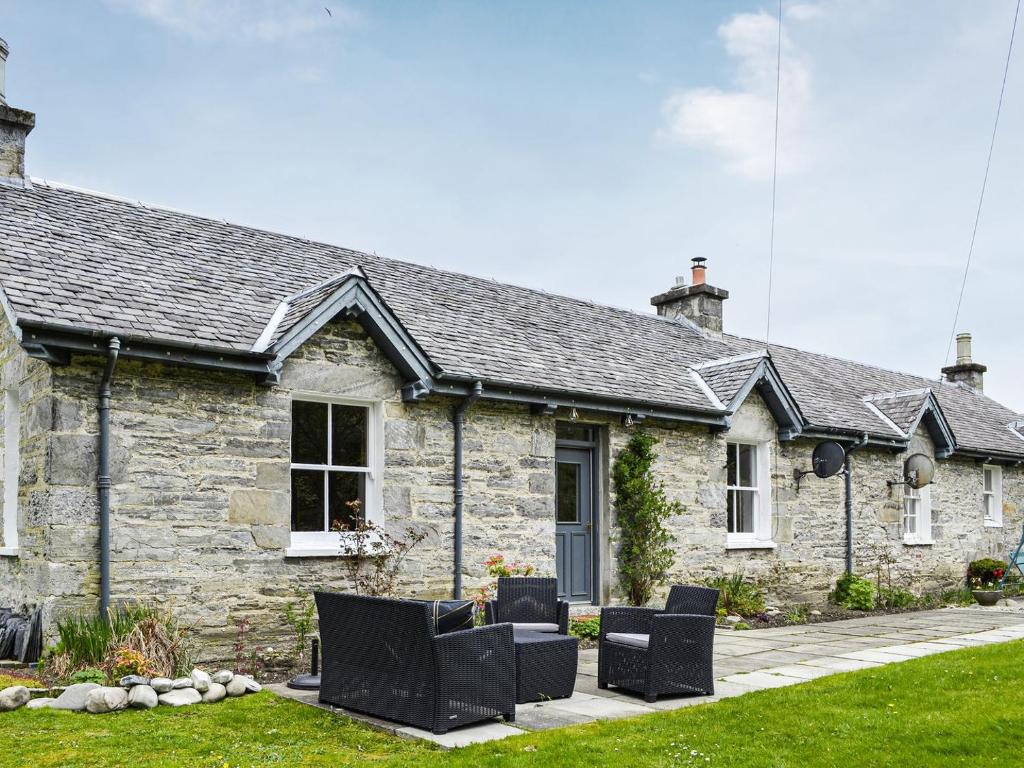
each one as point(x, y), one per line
point(585, 148)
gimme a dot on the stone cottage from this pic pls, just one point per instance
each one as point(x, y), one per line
point(189, 405)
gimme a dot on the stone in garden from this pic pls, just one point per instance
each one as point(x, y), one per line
point(74, 696)
point(101, 700)
point(223, 676)
point(215, 693)
point(43, 702)
point(161, 684)
point(180, 697)
point(129, 680)
point(733, 619)
point(815, 613)
point(14, 697)
point(236, 687)
point(251, 686)
point(142, 697)
point(200, 680)
point(182, 682)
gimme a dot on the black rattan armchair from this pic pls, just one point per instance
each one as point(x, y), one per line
point(657, 652)
point(381, 657)
point(529, 602)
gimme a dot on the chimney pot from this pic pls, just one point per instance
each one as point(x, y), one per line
point(965, 369)
point(4, 50)
point(15, 126)
point(699, 270)
point(699, 302)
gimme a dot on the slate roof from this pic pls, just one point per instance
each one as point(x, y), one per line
point(902, 408)
point(727, 377)
point(75, 258)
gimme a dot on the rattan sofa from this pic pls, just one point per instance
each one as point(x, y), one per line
point(656, 652)
point(529, 603)
point(383, 658)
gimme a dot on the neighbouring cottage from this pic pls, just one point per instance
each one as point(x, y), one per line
point(255, 385)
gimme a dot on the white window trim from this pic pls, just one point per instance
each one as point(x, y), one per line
point(923, 535)
point(761, 538)
point(996, 521)
point(331, 543)
point(11, 451)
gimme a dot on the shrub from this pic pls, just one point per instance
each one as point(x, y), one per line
point(895, 597)
point(585, 627)
point(128, 662)
point(961, 596)
point(860, 596)
point(985, 573)
point(89, 641)
point(798, 614)
point(88, 675)
point(645, 553)
point(299, 616)
point(737, 595)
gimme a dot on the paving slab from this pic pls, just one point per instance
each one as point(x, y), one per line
point(743, 662)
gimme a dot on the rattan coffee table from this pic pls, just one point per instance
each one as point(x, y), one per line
point(545, 666)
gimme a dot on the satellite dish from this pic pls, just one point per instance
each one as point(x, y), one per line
point(918, 470)
point(828, 458)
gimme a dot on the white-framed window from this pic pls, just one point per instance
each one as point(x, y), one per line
point(917, 515)
point(992, 495)
point(336, 469)
point(11, 465)
point(748, 495)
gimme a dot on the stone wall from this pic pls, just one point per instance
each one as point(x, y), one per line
point(200, 498)
point(34, 577)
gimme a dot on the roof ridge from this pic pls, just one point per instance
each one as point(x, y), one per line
point(678, 322)
point(897, 394)
point(719, 362)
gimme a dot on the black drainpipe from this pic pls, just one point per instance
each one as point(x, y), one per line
point(848, 473)
point(460, 423)
point(103, 475)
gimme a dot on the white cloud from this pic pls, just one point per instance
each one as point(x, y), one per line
point(738, 124)
point(260, 20)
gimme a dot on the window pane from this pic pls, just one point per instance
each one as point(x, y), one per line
point(745, 511)
point(731, 519)
point(730, 464)
point(747, 461)
point(309, 432)
point(988, 479)
point(568, 430)
point(348, 498)
point(307, 500)
point(348, 435)
point(567, 493)
point(910, 515)
point(988, 507)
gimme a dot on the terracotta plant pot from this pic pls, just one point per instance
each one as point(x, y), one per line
point(987, 596)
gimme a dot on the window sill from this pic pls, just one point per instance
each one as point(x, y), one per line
point(334, 551)
point(993, 523)
point(10, 552)
point(918, 542)
point(750, 545)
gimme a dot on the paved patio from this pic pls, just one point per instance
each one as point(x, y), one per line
point(748, 661)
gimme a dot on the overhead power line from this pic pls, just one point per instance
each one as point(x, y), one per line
point(775, 175)
point(984, 184)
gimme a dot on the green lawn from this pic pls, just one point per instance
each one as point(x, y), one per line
point(960, 708)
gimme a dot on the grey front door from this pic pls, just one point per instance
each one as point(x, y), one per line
point(574, 496)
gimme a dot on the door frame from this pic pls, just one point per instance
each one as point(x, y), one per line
point(597, 516)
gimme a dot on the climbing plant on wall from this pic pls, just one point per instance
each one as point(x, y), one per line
point(646, 553)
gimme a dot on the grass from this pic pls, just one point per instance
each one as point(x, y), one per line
point(9, 680)
point(951, 709)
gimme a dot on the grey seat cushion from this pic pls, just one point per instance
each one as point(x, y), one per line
point(528, 627)
point(628, 638)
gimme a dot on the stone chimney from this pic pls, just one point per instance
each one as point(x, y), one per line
point(699, 302)
point(965, 369)
point(15, 126)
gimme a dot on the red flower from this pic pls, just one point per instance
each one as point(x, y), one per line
point(998, 572)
